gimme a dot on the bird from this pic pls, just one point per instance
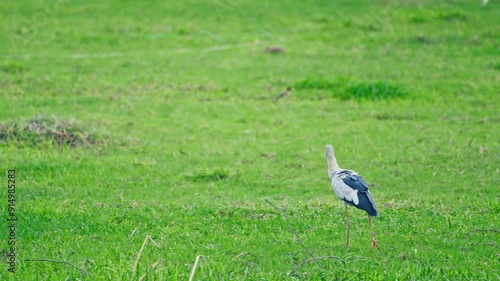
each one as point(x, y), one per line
point(351, 189)
point(284, 93)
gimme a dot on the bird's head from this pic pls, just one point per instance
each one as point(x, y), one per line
point(328, 150)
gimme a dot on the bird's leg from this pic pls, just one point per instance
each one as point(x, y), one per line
point(374, 242)
point(348, 223)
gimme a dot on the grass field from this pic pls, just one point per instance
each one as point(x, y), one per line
point(144, 134)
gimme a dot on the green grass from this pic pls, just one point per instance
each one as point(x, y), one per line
point(185, 143)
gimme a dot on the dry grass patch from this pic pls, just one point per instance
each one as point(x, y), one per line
point(42, 130)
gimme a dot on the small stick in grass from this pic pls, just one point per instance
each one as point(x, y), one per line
point(148, 237)
point(159, 261)
point(193, 271)
point(487, 230)
point(478, 230)
point(240, 255)
point(133, 232)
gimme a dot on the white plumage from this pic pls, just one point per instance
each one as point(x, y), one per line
point(351, 189)
point(342, 190)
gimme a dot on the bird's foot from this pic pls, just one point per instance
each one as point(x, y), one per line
point(375, 244)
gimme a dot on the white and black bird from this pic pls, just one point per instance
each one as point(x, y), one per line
point(352, 189)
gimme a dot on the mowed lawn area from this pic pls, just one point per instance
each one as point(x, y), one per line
point(144, 136)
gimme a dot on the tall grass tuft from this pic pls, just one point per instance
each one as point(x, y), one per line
point(347, 89)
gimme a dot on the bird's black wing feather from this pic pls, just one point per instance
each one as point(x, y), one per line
point(356, 182)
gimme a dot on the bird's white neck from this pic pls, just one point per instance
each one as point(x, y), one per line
point(332, 165)
point(332, 162)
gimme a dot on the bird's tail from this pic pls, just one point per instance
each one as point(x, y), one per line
point(366, 203)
